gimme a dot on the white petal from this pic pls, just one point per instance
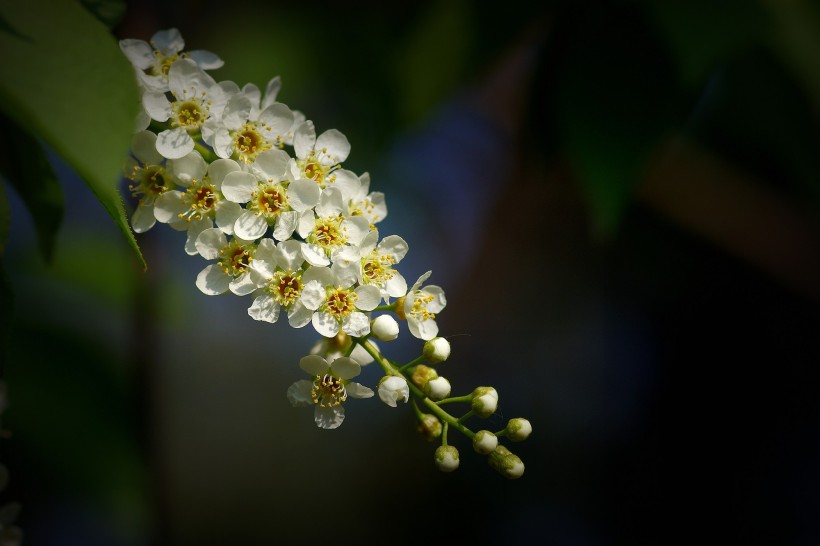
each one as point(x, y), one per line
point(369, 297)
point(156, 106)
point(356, 324)
point(264, 308)
point(395, 246)
point(169, 206)
point(314, 365)
point(288, 255)
point(345, 368)
point(303, 139)
point(419, 282)
point(212, 280)
point(138, 52)
point(175, 143)
point(299, 393)
point(243, 285)
point(186, 79)
point(236, 111)
point(210, 242)
point(285, 225)
point(271, 91)
point(168, 41)
point(331, 203)
point(325, 323)
point(219, 169)
point(226, 214)
point(189, 168)
point(425, 329)
point(223, 143)
point(303, 194)
point(299, 315)
point(356, 227)
point(332, 147)
point(152, 84)
point(361, 356)
point(396, 287)
point(307, 222)
point(346, 182)
point(277, 118)
point(314, 255)
point(205, 59)
point(250, 226)
point(272, 164)
point(143, 218)
point(357, 390)
point(329, 418)
point(143, 145)
point(369, 242)
point(321, 274)
point(195, 227)
point(238, 186)
point(439, 301)
point(142, 121)
point(313, 294)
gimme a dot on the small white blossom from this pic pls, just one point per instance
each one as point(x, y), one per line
point(329, 388)
point(339, 345)
point(484, 442)
point(446, 458)
point(393, 388)
point(437, 388)
point(485, 401)
point(421, 306)
point(318, 158)
point(232, 269)
point(436, 350)
point(337, 305)
point(149, 178)
point(518, 429)
point(370, 205)
point(327, 232)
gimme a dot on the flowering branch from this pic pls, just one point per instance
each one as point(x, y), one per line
point(297, 232)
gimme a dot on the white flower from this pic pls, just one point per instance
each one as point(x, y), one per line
point(329, 388)
point(370, 205)
point(232, 269)
point(393, 388)
point(437, 388)
point(202, 202)
point(153, 60)
point(485, 401)
point(149, 178)
point(421, 306)
point(385, 328)
point(338, 346)
point(338, 306)
point(327, 231)
point(245, 132)
point(518, 429)
point(269, 198)
point(196, 97)
point(318, 158)
point(436, 350)
point(278, 271)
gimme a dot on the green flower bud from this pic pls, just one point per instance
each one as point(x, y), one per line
point(429, 426)
point(505, 463)
point(518, 429)
point(436, 350)
point(485, 401)
point(484, 442)
point(437, 389)
point(422, 374)
point(446, 458)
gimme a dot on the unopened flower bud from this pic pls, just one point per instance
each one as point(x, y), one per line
point(484, 442)
point(393, 388)
point(422, 374)
point(384, 328)
point(398, 308)
point(437, 389)
point(429, 426)
point(518, 429)
point(446, 458)
point(485, 401)
point(436, 350)
point(505, 463)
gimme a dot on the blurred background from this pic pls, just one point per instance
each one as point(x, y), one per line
point(620, 199)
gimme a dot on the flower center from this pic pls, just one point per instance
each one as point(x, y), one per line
point(314, 170)
point(378, 269)
point(249, 143)
point(162, 64)
point(201, 199)
point(341, 302)
point(328, 232)
point(285, 287)
point(419, 310)
point(234, 258)
point(189, 114)
point(269, 200)
point(328, 391)
point(150, 182)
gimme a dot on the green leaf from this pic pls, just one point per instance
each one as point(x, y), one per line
point(25, 165)
point(110, 12)
point(70, 85)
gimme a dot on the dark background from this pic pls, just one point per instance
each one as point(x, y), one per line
point(620, 200)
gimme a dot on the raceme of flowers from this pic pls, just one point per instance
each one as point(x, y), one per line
point(267, 202)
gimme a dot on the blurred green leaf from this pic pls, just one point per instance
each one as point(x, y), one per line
point(110, 12)
point(614, 93)
point(24, 163)
point(435, 57)
point(70, 85)
point(5, 218)
point(6, 312)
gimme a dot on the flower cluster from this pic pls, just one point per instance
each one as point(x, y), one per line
point(268, 203)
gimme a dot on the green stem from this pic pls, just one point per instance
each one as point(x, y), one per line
point(466, 416)
point(417, 360)
point(444, 430)
point(389, 369)
point(388, 307)
point(465, 398)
